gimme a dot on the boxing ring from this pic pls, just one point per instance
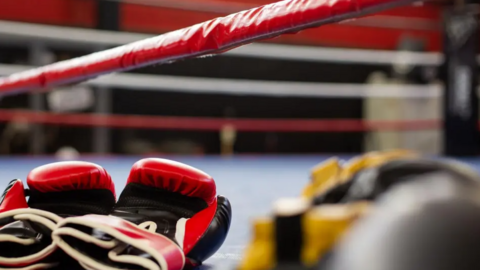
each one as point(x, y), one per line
point(212, 37)
point(235, 176)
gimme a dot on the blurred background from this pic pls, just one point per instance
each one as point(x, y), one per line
point(369, 84)
point(403, 78)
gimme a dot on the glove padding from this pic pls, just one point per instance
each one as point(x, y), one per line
point(165, 199)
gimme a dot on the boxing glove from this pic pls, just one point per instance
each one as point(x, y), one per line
point(367, 184)
point(57, 190)
point(179, 221)
point(334, 172)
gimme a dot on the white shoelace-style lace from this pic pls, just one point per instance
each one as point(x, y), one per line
point(149, 226)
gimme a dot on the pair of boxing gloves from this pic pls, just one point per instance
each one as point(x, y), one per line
point(168, 217)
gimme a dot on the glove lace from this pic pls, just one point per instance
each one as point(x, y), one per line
point(149, 226)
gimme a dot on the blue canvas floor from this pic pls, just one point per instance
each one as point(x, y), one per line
point(251, 183)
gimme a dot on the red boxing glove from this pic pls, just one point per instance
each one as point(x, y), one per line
point(175, 219)
point(57, 190)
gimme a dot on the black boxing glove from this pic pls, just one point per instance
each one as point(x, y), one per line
point(168, 217)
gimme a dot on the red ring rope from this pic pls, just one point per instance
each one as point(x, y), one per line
point(214, 36)
point(215, 124)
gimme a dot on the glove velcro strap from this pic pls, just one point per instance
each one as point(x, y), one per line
point(46, 220)
point(116, 236)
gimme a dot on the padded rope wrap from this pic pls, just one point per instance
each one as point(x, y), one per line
point(211, 37)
